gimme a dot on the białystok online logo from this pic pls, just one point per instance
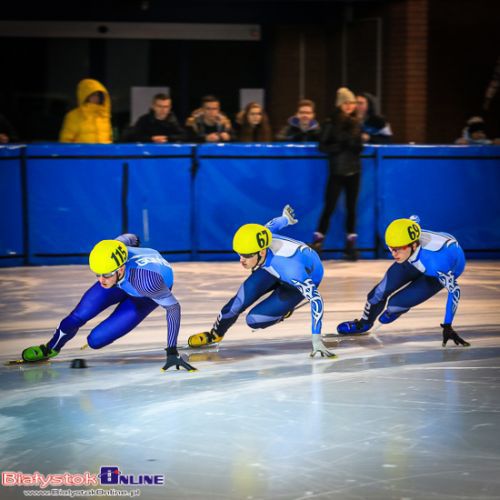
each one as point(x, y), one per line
point(113, 475)
point(109, 475)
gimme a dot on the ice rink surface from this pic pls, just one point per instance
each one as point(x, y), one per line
point(395, 416)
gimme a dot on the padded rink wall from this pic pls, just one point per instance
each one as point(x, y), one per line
point(187, 200)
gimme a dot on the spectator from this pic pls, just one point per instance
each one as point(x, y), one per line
point(208, 123)
point(302, 127)
point(341, 140)
point(90, 122)
point(252, 124)
point(160, 125)
point(375, 128)
point(7, 131)
point(475, 133)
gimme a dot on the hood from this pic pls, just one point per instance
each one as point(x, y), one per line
point(89, 86)
point(371, 103)
point(295, 122)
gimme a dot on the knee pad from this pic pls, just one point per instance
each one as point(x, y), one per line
point(253, 322)
point(95, 340)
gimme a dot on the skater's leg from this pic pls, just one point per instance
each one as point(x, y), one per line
point(272, 309)
point(129, 313)
point(93, 302)
point(396, 277)
point(420, 290)
point(254, 287)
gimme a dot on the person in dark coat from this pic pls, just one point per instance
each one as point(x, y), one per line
point(7, 131)
point(375, 128)
point(160, 125)
point(341, 140)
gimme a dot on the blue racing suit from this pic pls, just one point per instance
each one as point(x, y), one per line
point(436, 264)
point(146, 284)
point(292, 271)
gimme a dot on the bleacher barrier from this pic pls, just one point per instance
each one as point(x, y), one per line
point(187, 200)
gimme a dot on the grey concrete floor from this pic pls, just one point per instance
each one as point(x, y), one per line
point(395, 416)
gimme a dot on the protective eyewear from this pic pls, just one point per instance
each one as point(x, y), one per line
point(247, 255)
point(398, 249)
point(107, 275)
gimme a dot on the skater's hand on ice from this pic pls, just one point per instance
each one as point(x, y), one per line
point(289, 213)
point(450, 334)
point(319, 348)
point(174, 359)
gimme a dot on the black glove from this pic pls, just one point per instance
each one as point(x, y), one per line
point(450, 334)
point(173, 359)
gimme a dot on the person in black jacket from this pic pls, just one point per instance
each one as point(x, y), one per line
point(7, 131)
point(160, 125)
point(303, 126)
point(375, 128)
point(341, 140)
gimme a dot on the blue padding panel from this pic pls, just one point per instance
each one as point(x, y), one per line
point(75, 195)
point(73, 203)
point(11, 233)
point(452, 188)
point(122, 151)
point(237, 184)
point(160, 203)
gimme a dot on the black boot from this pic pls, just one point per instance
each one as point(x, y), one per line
point(317, 242)
point(350, 252)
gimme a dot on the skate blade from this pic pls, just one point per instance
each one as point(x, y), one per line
point(207, 347)
point(15, 362)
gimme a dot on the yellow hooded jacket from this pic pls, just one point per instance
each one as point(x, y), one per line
point(89, 122)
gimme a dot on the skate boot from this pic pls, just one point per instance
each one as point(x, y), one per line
point(317, 242)
point(357, 326)
point(38, 353)
point(350, 252)
point(204, 338)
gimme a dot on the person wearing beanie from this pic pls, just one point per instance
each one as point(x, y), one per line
point(341, 140)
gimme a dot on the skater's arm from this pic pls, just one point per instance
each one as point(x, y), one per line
point(173, 314)
point(309, 291)
point(449, 281)
point(287, 218)
point(129, 239)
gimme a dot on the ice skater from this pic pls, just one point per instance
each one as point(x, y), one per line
point(290, 270)
point(426, 262)
point(138, 280)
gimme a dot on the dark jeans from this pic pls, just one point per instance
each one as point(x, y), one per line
point(334, 186)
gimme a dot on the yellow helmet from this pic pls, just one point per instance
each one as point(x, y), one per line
point(251, 238)
point(107, 256)
point(402, 232)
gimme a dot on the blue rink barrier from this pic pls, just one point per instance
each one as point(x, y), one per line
point(187, 200)
point(80, 194)
point(241, 183)
point(451, 188)
point(12, 209)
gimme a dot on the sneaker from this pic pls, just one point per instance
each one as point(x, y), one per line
point(317, 242)
point(38, 353)
point(204, 338)
point(354, 327)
